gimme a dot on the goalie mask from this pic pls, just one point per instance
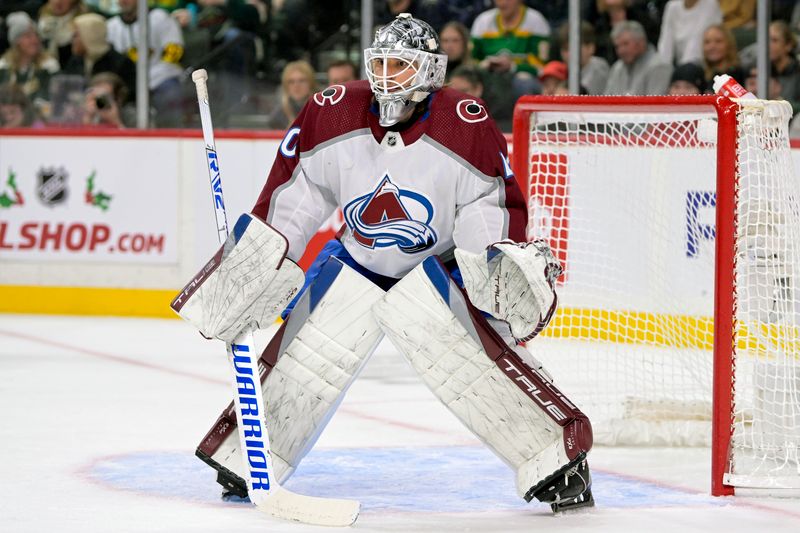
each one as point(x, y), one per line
point(403, 67)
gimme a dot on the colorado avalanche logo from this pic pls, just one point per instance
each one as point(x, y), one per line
point(330, 96)
point(471, 111)
point(384, 218)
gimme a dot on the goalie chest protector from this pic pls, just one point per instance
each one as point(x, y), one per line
point(444, 181)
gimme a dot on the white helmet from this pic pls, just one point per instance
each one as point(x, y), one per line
point(411, 48)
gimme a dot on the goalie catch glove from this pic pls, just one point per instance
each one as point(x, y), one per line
point(514, 282)
point(249, 281)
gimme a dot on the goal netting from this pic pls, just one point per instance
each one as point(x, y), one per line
point(678, 226)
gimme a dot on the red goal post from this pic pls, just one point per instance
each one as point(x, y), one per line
point(677, 222)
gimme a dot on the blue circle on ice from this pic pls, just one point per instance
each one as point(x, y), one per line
point(446, 479)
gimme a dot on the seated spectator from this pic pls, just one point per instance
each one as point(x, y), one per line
point(467, 80)
point(166, 50)
point(55, 26)
point(785, 68)
point(720, 55)
point(342, 71)
point(470, 79)
point(594, 69)
point(512, 38)
point(92, 54)
point(16, 110)
point(298, 83)
point(25, 63)
point(738, 13)
point(687, 79)
point(454, 40)
point(605, 14)
point(435, 12)
point(554, 78)
point(67, 92)
point(639, 69)
point(104, 105)
point(465, 11)
point(773, 85)
point(682, 28)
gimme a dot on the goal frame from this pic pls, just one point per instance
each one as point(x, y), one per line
point(724, 345)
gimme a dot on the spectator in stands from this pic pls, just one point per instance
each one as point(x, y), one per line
point(720, 55)
point(31, 7)
point(16, 110)
point(554, 78)
point(512, 39)
point(467, 79)
point(25, 63)
point(594, 69)
point(166, 50)
point(605, 14)
point(342, 71)
point(773, 86)
point(785, 67)
point(639, 69)
point(465, 11)
point(471, 80)
point(92, 54)
point(738, 13)
point(454, 40)
point(104, 105)
point(435, 12)
point(681, 39)
point(298, 83)
point(55, 26)
point(687, 79)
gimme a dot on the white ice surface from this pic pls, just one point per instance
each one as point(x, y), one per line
point(99, 420)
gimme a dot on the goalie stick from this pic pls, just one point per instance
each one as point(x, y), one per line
point(263, 488)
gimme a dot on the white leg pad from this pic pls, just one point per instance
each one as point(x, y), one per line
point(310, 362)
point(427, 317)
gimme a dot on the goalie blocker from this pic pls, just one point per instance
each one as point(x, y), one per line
point(512, 408)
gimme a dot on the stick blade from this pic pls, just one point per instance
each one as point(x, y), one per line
point(287, 505)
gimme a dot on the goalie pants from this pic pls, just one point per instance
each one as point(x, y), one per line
point(334, 248)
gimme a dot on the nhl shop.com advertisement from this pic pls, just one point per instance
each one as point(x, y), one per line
point(87, 200)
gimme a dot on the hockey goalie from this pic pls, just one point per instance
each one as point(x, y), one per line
point(432, 255)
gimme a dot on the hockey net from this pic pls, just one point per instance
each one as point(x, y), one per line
point(678, 226)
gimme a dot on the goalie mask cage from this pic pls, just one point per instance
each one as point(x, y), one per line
point(676, 220)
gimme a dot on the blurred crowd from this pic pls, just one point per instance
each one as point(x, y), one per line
point(73, 62)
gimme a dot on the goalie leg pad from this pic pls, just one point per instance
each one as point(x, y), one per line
point(513, 409)
point(306, 370)
point(249, 281)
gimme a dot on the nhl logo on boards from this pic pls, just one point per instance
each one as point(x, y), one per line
point(51, 185)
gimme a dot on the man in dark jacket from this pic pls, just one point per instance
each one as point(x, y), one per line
point(92, 54)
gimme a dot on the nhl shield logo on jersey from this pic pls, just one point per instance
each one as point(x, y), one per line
point(390, 216)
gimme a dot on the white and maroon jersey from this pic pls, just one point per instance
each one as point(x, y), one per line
point(442, 182)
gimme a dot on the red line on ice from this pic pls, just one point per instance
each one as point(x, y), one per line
point(111, 357)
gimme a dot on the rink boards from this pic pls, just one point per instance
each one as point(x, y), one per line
point(113, 224)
